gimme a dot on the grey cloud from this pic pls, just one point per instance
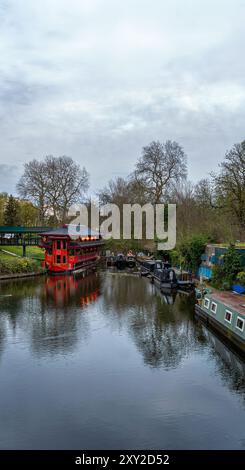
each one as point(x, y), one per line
point(99, 79)
point(8, 175)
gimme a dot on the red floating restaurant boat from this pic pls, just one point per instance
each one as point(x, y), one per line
point(71, 248)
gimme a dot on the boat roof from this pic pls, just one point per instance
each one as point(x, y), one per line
point(230, 300)
point(71, 230)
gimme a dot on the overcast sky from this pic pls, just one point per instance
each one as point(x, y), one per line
point(99, 79)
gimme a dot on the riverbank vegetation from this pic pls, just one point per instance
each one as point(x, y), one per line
point(211, 210)
point(213, 207)
point(188, 252)
point(14, 265)
point(229, 271)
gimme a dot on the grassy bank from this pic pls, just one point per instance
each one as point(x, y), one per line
point(13, 265)
point(31, 251)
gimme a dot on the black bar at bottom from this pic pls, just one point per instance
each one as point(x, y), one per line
point(111, 459)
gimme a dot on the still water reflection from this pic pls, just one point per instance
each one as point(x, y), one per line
point(108, 362)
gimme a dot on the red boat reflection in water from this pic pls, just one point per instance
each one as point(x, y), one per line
point(66, 290)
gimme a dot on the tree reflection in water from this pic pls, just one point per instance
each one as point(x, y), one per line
point(163, 332)
point(229, 365)
point(55, 314)
point(165, 329)
point(12, 296)
point(2, 334)
point(50, 309)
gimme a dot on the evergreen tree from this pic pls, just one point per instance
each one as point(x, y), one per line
point(12, 212)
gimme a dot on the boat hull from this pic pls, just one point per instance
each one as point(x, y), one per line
point(226, 333)
point(164, 286)
point(85, 267)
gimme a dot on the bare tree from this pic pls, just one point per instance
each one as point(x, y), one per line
point(160, 165)
point(204, 193)
point(116, 192)
point(66, 184)
point(230, 184)
point(53, 185)
point(123, 191)
point(33, 185)
point(182, 192)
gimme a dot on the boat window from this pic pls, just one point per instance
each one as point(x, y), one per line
point(240, 323)
point(228, 316)
point(71, 252)
point(58, 259)
point(64, 244)
point(206, 302)
point(58, 244)
point(64, 259)
point(213, 307)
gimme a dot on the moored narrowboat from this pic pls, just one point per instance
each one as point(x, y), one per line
point(225, 312)
point(120, 261)
point(68, 250)
point(168, 279)
point(147, 267)
point(165, 276)
point(110, 260)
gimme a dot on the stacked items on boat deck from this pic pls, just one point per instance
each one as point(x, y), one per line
point(130, 260)
point(120, 260)
point(140, 257)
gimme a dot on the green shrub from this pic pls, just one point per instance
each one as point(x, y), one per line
point(175, 258)
point(232, 264)
point(226, 274)
point(241, 278)
point(189, 252)
point(18, 265)
point(218, 279)
point(217, 276)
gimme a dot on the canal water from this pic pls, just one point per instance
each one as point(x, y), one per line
point(108, 362)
